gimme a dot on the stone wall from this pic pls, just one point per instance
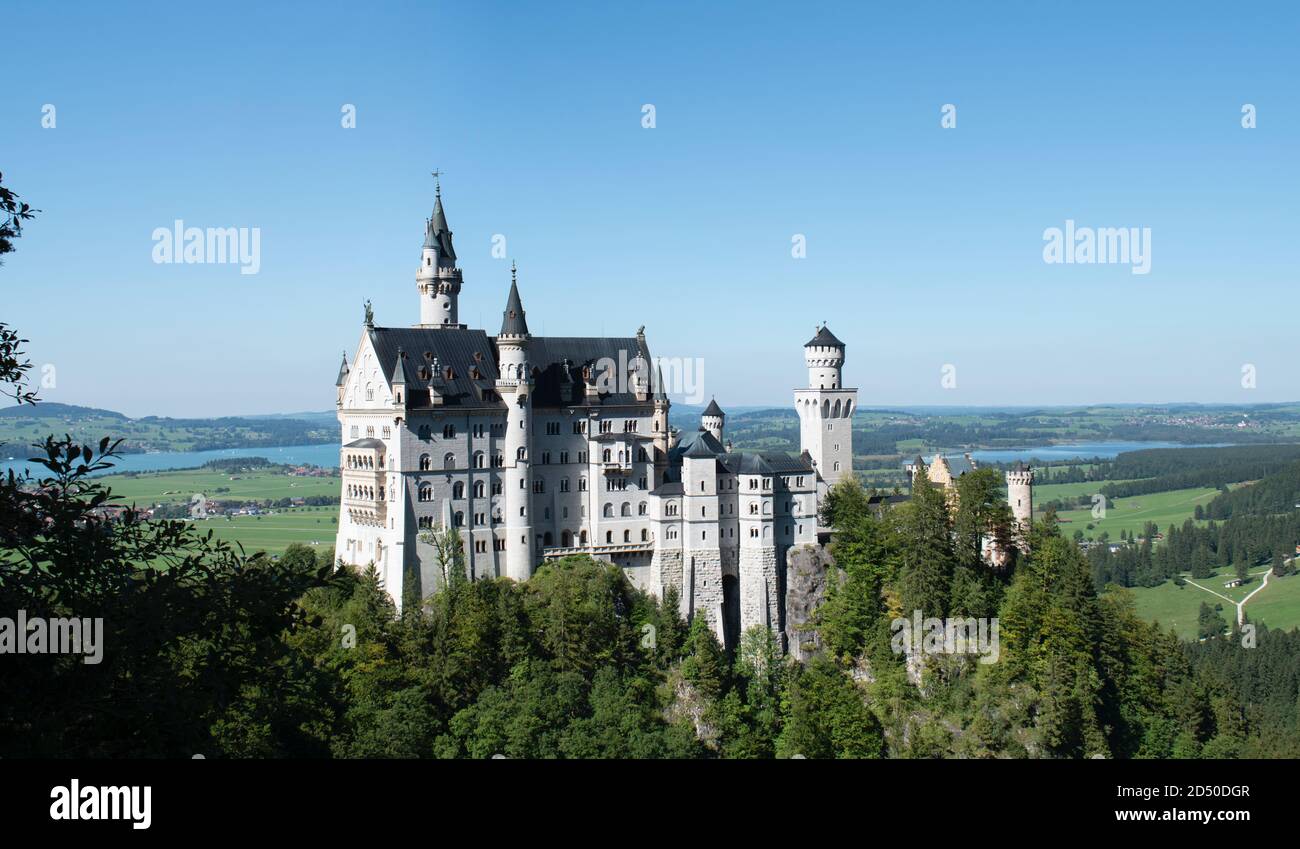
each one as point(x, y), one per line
point(808, 568)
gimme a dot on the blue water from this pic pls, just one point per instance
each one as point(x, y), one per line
point(326, 455)
point(1077, 450)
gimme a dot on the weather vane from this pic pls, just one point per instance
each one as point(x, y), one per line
point(437, 183)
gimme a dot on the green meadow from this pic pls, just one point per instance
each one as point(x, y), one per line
point(1131, 513)
point(1175, 607)
point(149, 488)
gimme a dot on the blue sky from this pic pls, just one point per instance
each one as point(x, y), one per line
point(924, 244)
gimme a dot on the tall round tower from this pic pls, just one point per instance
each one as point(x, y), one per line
point(515, 384)
point(438, 279)
point(824, 356)
point(1020, 495)
point(826, 408)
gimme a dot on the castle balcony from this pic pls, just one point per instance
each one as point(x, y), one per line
point(554, 552)
point(616, 467)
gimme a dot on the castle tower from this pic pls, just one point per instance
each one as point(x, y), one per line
point(713, 419)
point(515, 384)
point(438, 279)
point(342, 382)
point(1020, 495)
point(701, 555)
point(826, 409)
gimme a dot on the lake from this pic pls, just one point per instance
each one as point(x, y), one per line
point(1077, 450)
point(325, 454)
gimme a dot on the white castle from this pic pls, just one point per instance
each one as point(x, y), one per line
point(540, 447)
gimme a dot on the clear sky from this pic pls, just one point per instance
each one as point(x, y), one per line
point(924, 244)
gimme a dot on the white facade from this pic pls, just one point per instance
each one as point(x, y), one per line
point(537, 447)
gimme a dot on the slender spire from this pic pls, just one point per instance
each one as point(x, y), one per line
point(513, 322)
point(343, 371)
point(437, 234)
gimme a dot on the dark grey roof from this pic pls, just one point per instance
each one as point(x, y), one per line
point(438, 236)
point(659, 393)
point(403, 372)
point(713, 409)
point(554, 357)
point(824, 339)
point(512, 319)
point(764, 463)
point(343, 371)
point(699, 449)
point(673, 488)
point(690, 441)
point(455, 348)
point(368, 442)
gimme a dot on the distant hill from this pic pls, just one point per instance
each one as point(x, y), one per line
point(52, 410)
point(22, 426)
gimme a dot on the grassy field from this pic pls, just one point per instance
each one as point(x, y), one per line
point(313, 526)
point(1130, 514)
point(1277, 605)
point(149, 488)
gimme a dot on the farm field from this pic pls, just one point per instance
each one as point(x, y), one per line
point(1044, 493)
point(1277, 605)
point(1131, 513)
point(150, 488)
point(312, 526)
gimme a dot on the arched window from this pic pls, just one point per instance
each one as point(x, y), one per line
point(625, 510)
point(582, 538)
point(566, 539)
point(458, 489)
point(449, 460)
point(608, 511)
point(645, 535)
point(370, 392)
point(605, 455)
point(478, 489)
point(641, 509)
point(609, 536)
point(426, 492)
point(478, 459)
point(522, 453)
point(425, 462)
point(627, 536)
point(459, 519)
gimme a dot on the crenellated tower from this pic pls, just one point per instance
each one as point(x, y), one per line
point(1020, 496)
point(515, 384)
point(438, 279)
point(826, 409)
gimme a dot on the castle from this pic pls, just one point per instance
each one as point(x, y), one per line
point(538, 447)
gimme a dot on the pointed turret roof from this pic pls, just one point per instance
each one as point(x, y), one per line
point(824, 339)
point(512, 320)
point(713, 409)
point(343, 371)
point(402, 370)
point(437, 234)
point(659, 393)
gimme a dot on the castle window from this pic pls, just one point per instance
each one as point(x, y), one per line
point(478, 459)
point(564, 484)
point(449, 431)
point(478, 489)
point(426, 523)
point(608, 511)
point(426, 492)
point(496, 487)
point(424, 462)
point(625, 510)
point(645, 535)
point(627, 536)
point(609, 536)
point(582, 484)
point(370, 392)
point(425, 432)
point(539, 486)
point(641, 509)
point(522, 453)
point(458, 520)
point(458, 489)
point(837, 465)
